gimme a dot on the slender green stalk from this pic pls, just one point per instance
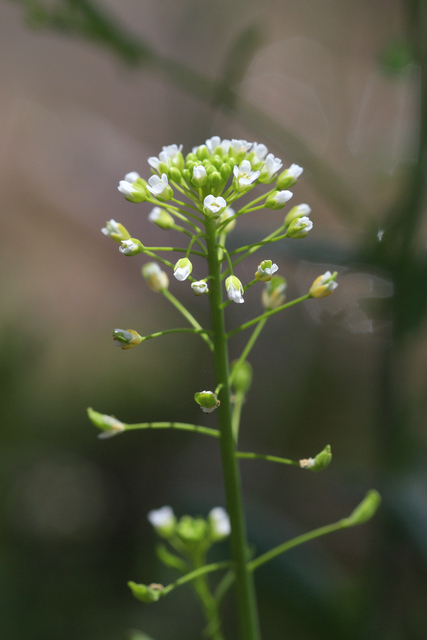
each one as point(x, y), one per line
point(207, 568)
point(158, 334)
point(267, 314)
point(239, 399)
point(191, 319)
point(248, 347)
point(181, 426)
point(244, 587)
point(260, 456)
point(209, 603)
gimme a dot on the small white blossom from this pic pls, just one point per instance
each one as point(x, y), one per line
point(220, 522)
point(266, 270)
point(163, 518)
point(130, 247)
point(199, 175)
point(239, 146)
point(259, 151)
point(170, 155)
point(126, 188)
point(200, 287)
point(234, 289)
point(159, 187)
point(244, 176)
point(212, 144)
point(270, 167)
point(295, 171)
point(214, 206)
point(299, 227)
point(182, 269)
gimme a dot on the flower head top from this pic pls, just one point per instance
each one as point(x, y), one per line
point(169, 156)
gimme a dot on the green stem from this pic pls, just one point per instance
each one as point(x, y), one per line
point(260, 456)
point(248, 348)
point(209, 604)
point(158, 334)
point(267, 314)
point(181, 426)
point(244, 587)
point(239, 399)
point(187, 315)
point(208, 568)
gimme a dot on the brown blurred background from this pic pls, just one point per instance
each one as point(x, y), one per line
point(88, 92)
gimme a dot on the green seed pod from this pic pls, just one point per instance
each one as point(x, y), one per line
point(242, 377)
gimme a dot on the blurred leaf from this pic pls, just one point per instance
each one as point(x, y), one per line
point(170, 559)
point(138, 635)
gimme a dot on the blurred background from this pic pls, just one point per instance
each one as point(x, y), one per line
point(89, 90)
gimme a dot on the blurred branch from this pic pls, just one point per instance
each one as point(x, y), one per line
point(83, 18)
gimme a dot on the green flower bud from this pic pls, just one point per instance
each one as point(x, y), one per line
point(191, 530)
point(191, 157)
point(299, 227)
point(175, 174)
point(265, 271)
point(207, 400)
point(186, 174)
point(126, 338)
point(299, 211)
point(289, 177)
point(161, 218)
point(131, 247)
point(278, 199)
point(182, 269)
point(365, 510)
point(273, 295)
point(163, 521)
point(202, 152)
point(242, 377)
point(109, 424)
point(200, 177)
point(323, 285)
point(226, 171)
point(320, 462)
point(215, 179)
point(133, 187)
point(115, 231)
point(146, 593)
point(217, 162)
point(156, 279)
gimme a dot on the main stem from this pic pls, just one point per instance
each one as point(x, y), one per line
point(246, 602)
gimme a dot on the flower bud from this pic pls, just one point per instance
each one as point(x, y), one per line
point(234, 289)
point(200, 287)
point(192, 530)
point(160, 188)
point(146, 593)
point(207, 400)
point(299, 227)
point(269, 168)
point(213, 207)
point(226, 171)
point(365, 510)
point(133, 187)
point(215, 179)
point(320, 462)
point(242, 377)
point(225, 215)
point(131, 247)
point(163, 520)
point(174, 174)
point(219, 524)
point(265, 270)
point(323, 285)
point(126, 338)
point(200, 176)
point(161, 218)
point(202, 152)
point(273, 295)
point(156, 279)
point(115, 231)
point(109, 424)
point(182, 269)
point(297, 212)
point(278, 199)
point(288, 177)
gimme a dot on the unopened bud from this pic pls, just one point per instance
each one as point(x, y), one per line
point(273, 295)
point(131, 247)
point(126, 338)
point(182, 269)
point(163, 520)
point(115, 231)
point(265, 271)
point(161, 218)
point(288, 177)
point(200, 177)
point(278, 199)
point(299, 227)
point(324, 285)
point(200, 287)
point(156, 279)
point(234, 289)
point(207, 400)
point(146, 593)
point(109, 424)
point(219, 524)
point(242, 376)
point(297, 212)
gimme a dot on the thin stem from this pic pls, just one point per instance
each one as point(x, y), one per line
point(188, 233)
point(239, 399)
point(181, 426)
point(191, 319)
point(248, 348)
point(207, 568)
point(267, 314)
point(209, 604)
point(260, 456)
point(244, 587)
point(149, 252)
point(158, 334)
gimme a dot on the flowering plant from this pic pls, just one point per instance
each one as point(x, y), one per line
point(194, 196)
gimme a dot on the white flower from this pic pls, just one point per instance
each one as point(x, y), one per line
point(182, 269)
point(299, 227)
point(132, 176)
point(244, 176)
point(199, 175)
point(131, 247)
point(295, 171)
point(288, 177)
point(162, 519)
point(266, 270)
point(115, 231)
point(259, 151)
point(220, 522)
point(161, 218)
point(200, 287)
point(270, 167)
point(159, 187)
point(155, 277)
point(170, 155)
point(234, 289)
point(239, 146)
point(214, 206)
point(283, 196)
point(278, 199)
point(126, 188)
point(212, 144)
